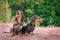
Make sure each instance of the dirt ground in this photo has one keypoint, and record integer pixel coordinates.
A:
(40, 33)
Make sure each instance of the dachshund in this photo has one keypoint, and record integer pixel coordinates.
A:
(29, 28)
(18, 25)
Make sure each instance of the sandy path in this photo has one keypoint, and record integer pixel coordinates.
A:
(41, 33)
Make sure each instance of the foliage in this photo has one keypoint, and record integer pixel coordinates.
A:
(5, 11)
(49, 10)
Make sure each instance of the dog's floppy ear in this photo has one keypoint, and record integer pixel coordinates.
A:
(22, 17)
(32, 19)
(21, 14)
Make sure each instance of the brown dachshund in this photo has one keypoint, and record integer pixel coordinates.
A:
(29, 28)
(18, 24)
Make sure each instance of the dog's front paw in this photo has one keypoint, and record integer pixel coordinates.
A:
(32, 33)
(26, 33)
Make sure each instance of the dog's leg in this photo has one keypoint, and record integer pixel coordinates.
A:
(26, 33)
(13, 32)
(19, 34)
(32, 33)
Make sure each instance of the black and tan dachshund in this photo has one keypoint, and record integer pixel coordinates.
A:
(18, 24)
(29, 28)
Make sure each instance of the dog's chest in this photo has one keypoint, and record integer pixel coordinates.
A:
(30, 27)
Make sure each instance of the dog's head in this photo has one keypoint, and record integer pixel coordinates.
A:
(19, 15)
(36, 18)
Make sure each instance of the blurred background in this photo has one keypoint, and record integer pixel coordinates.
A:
(49, 10)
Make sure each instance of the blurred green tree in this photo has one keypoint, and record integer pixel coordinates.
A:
(49, 10)
(5, 11)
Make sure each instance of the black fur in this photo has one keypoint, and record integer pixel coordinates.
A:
(30, 25)
(17, 24)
